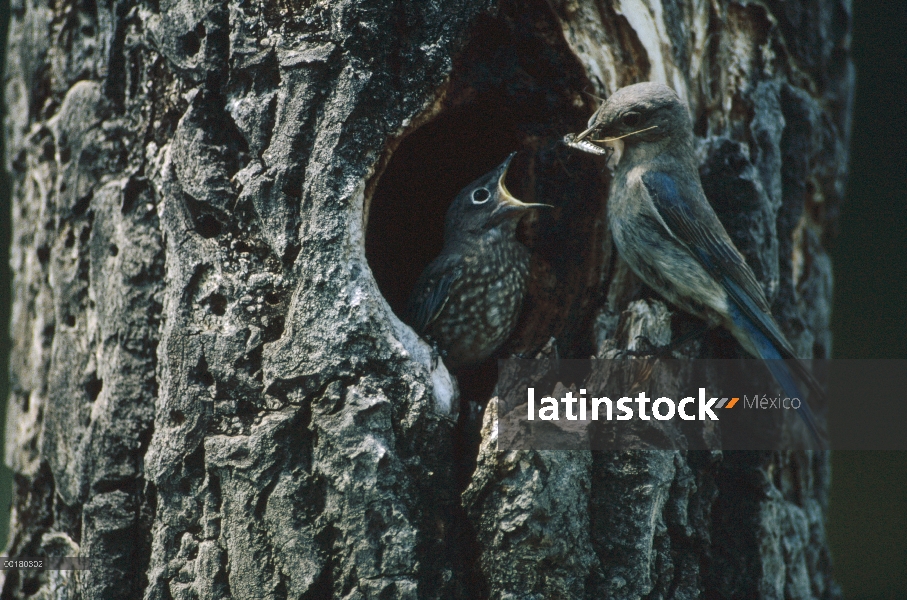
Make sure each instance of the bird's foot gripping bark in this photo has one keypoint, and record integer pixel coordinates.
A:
(666, 350)
(549, 351)
(437, 354)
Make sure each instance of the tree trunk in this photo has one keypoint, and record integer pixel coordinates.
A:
(219, 207)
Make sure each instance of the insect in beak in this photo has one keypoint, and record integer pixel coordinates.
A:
(586, 145)
(592, 146)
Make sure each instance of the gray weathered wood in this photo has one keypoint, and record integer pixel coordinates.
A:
(211, 397)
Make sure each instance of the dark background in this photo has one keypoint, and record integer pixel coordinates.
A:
(868, 517)
(867, 524)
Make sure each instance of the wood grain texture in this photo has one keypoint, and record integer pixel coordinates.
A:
(210, 395)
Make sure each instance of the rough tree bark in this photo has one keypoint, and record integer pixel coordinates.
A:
(211, 395)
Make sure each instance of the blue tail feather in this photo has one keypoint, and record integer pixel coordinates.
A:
(779, 369)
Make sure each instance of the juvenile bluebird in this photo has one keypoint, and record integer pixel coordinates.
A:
(468, 299)
(665, 229)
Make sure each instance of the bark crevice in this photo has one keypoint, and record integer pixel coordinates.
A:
(219, 209)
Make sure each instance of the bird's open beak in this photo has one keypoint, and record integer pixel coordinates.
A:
(507, 204)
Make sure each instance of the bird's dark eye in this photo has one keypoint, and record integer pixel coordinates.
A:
(631, 119)
(480, 196)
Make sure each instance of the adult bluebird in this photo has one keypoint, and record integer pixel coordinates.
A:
(667, 232)
(468, 299)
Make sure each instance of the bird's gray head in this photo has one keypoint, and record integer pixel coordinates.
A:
(485, 205)
(637, 115)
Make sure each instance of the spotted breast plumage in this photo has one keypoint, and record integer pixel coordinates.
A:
(468, 299)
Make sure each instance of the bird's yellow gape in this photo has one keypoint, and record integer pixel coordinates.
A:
(467, 300)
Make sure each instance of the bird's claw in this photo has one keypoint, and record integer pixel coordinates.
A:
(650, 349)
(437, 354)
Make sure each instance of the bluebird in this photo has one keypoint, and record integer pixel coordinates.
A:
(669, 235)
(468, 299)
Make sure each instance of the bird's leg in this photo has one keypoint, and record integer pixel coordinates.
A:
(662, 351)
(549, 350)
(437, 354)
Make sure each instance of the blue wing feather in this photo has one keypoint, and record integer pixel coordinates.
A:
(702, 235)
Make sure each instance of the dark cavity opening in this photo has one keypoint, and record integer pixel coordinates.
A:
(515, 87)
(93, 387)
(208, 226)
(218, 304)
